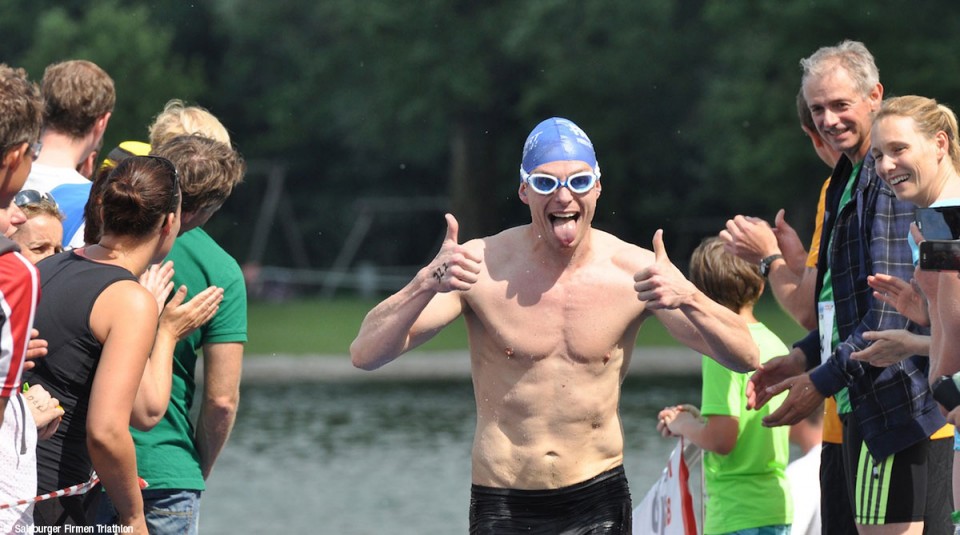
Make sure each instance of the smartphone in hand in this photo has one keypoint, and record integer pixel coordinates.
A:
(940, 255)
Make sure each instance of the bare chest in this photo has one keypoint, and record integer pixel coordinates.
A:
(587, 319)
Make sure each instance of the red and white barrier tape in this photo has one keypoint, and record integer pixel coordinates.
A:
(75, 490)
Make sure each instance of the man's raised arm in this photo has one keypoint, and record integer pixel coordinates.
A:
(419, 310)
(691, 317)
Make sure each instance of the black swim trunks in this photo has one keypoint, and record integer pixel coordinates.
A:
(600, 505)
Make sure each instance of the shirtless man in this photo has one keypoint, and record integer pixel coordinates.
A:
(552, 310)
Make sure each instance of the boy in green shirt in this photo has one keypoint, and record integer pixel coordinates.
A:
(746, 488)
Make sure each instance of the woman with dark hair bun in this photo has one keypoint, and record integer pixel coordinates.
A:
(109, 355)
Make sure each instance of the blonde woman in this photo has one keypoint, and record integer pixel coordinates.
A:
(916, 152)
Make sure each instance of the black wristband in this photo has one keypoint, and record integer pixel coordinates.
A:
(766, 262)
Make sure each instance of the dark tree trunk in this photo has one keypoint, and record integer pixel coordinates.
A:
(474, 178)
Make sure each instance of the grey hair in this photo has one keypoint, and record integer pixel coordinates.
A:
(853, 56)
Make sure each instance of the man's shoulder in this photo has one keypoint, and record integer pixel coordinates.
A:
(199, 259)
(199, 246)
(17, 274)
(7, 245)
(15, 265)
(622, 253)
(504, 242)
(504, 237)
(47, 177)
(15, 268)
(71, 189)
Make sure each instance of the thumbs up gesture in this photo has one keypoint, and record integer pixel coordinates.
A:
(455, 267)
(661, 284)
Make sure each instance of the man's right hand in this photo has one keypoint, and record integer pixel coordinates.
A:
(773, 372)
(455, 267)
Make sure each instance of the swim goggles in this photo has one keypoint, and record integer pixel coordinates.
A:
(545, 184)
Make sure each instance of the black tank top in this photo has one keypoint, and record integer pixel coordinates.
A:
(70, 285)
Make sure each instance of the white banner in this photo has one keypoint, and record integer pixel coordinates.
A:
(667, 509)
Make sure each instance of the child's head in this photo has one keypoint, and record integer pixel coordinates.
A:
(723, 277)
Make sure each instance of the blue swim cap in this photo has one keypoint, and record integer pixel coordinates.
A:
(557, 139)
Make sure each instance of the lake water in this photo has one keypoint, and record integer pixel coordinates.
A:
(380, 457)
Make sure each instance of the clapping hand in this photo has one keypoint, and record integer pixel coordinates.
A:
(750, 238)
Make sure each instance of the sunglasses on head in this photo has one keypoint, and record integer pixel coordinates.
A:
(32, 196)
(171, 170)
(545, 184)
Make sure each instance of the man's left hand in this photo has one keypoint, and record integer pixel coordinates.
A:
(661, 284)
(802, 400)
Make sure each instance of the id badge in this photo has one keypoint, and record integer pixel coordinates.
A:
(825, 315)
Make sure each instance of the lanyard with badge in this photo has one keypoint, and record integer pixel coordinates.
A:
(826, 307)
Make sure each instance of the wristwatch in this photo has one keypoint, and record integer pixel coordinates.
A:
(766, 262)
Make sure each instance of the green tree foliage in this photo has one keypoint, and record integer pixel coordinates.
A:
(690, 104)
(128, 42)
(436, 97)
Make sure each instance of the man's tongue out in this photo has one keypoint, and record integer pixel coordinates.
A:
(565, 227)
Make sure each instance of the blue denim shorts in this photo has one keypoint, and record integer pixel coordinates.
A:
(165, 510)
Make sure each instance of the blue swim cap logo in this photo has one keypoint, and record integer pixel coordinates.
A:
(557, 139)
(531, 143)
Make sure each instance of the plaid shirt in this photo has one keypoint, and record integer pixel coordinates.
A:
(893, 406)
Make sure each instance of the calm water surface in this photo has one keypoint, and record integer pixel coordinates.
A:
(380, 457)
